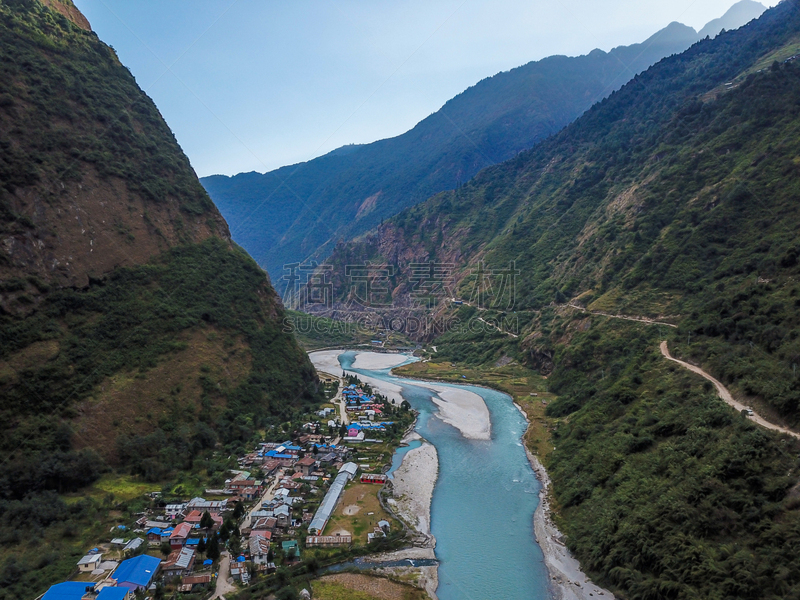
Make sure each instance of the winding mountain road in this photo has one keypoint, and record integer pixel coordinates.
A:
(726, 395)
(645, 320)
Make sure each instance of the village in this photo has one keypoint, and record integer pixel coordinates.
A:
(292, 505)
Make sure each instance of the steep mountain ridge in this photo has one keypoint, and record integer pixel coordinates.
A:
(92, 177)
(674, 199)
(133, 332)
(301, 211)
(608, 206)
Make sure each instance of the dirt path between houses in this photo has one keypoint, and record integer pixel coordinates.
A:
(726, 395)
(223, 585)
(266, 497)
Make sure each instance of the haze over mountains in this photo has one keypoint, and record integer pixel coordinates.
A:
(301, 211)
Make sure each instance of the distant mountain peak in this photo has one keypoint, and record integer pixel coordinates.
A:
(737, 15)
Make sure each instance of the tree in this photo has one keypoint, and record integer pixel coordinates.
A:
(270, 555)
(238, 510)
(212, 551)
(287, 593)
(343, 430)
(313, 564)
(165, 548)
(235, 545)
(202, 545)
(206, 522)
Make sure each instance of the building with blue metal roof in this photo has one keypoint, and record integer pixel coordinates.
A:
(68, 590)
(137, 572)
(113, 593)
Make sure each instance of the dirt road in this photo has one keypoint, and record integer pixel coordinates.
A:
(726, 395)
(645, 320)
(223, 585)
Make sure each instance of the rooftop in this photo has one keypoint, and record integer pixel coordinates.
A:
(139, 570)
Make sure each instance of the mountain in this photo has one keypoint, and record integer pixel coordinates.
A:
(301, 211)
(736, 16)
(668, 211)
(135, 337)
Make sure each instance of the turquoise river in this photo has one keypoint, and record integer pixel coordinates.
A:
(483, 502)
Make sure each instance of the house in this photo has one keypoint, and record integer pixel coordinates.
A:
(250, 493)
(243, 484)
(137, 572)
(328, 541)
(114, 593)
(259, 514)
(173, 510)
(68, 590)
(265, 524)
(165, 533)
(89, 563)
(270, 467)
(259, 550)
(178, 563)
(179, 536)
(133, 545)
(194, 517)
(264, 533)
(373, 478)
(291, 550)
(194, 582)
(327, 459)
(305, 465)
(283, 459)
(283, 516)
(212, 506)
(154, 536)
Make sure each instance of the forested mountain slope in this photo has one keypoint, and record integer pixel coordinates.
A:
(676, 199)
(299, 211)
(133, 334)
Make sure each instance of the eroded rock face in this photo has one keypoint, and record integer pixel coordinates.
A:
(69, 10)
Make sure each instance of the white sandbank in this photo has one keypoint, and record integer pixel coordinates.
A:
(464, 410)
(376, 361)
(412, 488)
(327, 361)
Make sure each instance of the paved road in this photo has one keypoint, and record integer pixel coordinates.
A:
(725, 394)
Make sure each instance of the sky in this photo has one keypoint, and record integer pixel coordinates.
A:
(252, 85)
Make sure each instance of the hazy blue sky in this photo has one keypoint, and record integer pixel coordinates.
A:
(256, 84)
